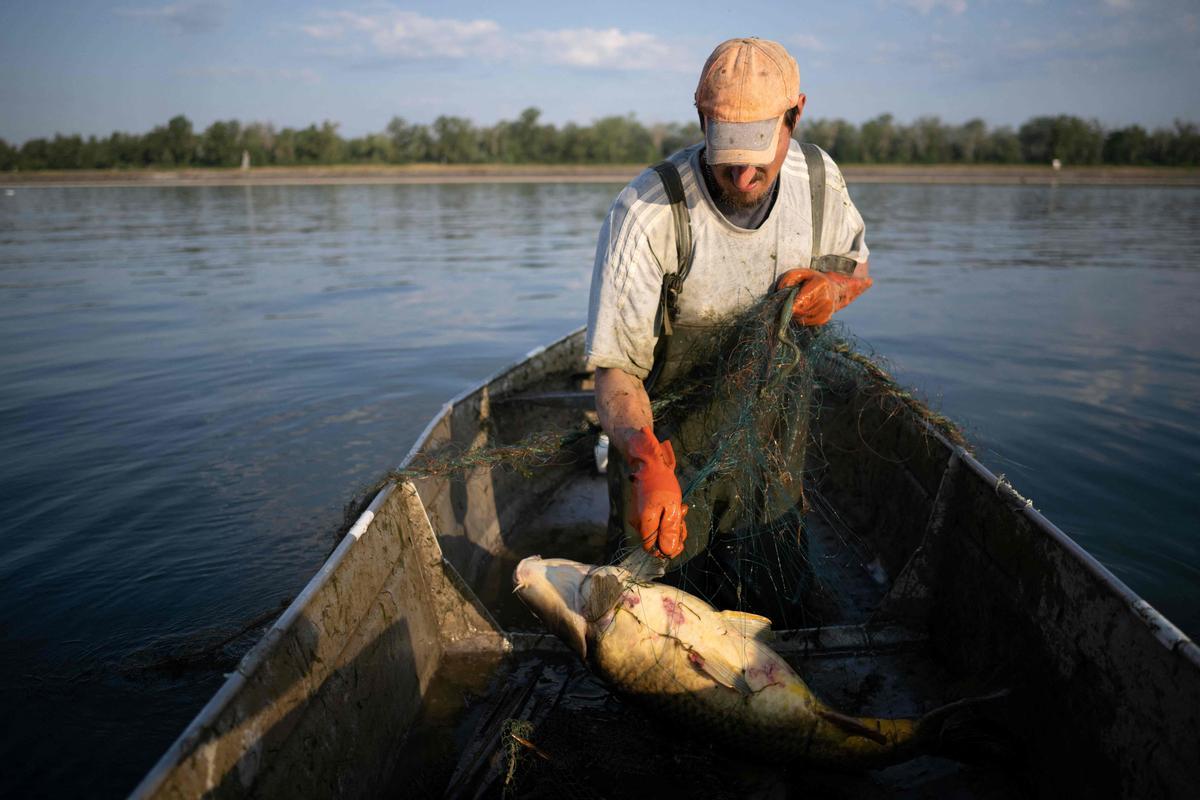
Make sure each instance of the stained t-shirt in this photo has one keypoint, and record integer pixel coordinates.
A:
(732, 266)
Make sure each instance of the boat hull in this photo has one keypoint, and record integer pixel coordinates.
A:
(967, 578)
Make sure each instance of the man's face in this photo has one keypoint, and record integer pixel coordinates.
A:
(745, 185)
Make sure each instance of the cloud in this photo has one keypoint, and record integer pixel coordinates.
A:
(927, 7)
(807, 41)
(257, 74)
(408, 35)
(1119, 5)
(610, 48)
(189, 16)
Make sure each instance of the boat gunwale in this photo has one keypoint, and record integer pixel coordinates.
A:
(1164, 631)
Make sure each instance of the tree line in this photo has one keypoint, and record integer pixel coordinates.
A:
(609, 140)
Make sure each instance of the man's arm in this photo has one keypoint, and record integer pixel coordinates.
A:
(624, 410)
(622, 405)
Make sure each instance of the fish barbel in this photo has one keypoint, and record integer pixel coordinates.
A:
(710, 669)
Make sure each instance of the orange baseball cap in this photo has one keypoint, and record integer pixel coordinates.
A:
(745, 88)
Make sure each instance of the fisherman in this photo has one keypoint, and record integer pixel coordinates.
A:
(686, 246)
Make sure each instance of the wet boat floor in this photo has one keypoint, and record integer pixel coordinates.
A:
(542, 725)
(539, 724)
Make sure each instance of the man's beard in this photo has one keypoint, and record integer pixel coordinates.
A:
(730, 192)
(743, 199)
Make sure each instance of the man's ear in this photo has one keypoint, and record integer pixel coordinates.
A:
(799, 108)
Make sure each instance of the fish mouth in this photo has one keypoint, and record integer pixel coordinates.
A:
(552, 589)
(523, 573)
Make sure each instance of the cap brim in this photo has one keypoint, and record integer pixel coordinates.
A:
(741, 142)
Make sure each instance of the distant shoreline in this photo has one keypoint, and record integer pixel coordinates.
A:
(556, 173)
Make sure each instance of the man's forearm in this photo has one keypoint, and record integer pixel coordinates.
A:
(622, 405)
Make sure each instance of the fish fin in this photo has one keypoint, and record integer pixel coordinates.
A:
(643, 566)
(604, 592)
(752, 626)
(852, 726)
(722, 672)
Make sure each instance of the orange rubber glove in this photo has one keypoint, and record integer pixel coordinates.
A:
(657, 497)
(821, 293)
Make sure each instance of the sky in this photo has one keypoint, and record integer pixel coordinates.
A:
(94, 67)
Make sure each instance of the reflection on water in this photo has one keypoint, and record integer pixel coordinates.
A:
(195, 380)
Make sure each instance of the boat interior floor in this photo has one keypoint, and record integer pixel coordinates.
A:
(544, 726)
(537, 723)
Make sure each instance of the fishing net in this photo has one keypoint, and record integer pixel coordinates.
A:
(739, 422)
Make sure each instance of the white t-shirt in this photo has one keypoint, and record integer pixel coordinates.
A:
(731, 268)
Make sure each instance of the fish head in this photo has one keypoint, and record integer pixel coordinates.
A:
(553, 588)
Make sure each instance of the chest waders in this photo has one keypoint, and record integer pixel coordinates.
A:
(742, 552)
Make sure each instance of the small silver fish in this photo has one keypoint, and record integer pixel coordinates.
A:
(710, 669)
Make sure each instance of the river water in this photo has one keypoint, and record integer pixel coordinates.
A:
(193, 381)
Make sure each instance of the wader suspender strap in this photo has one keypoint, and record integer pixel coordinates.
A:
(668, 301)
(816, 190)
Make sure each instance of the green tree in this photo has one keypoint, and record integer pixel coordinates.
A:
(1003, 146)
(94, 154)
(621, 140)
(157, 148)
(180, 140)
(258, 139)
(821, 132)
(1129, 145)
(878, 139)
(968, 142)
(125, 150)
(455, 141)
(930, 143)
(848, 143)
(283, 151)
(35, 154)
(319, 145)
(524, 140)
(374, 148)
(1071, 139)
(1037, 140)
(410, 143)
(1184, 149)
(575, 143)
(65, 152)
(677, 136)
(219, 144)
(8, 156)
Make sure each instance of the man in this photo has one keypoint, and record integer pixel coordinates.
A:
(749, 217)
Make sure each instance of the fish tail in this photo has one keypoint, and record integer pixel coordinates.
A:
(865, 741)
(876, 741)
(959, 731)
